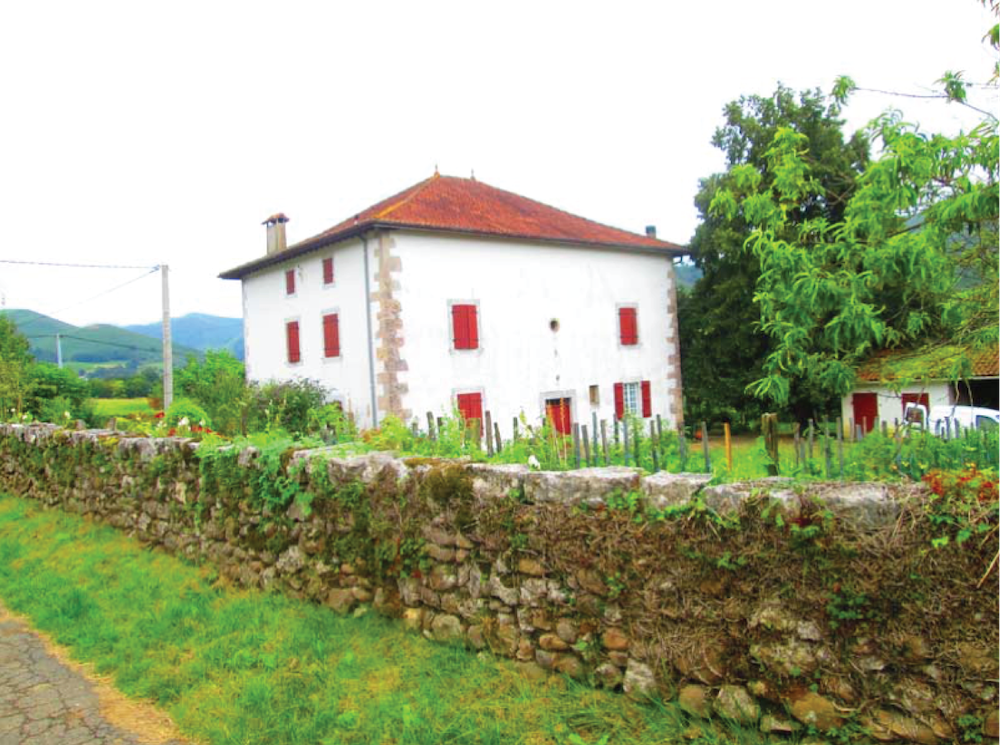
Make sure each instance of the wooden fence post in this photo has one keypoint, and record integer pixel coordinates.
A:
(593, 431)
(811, 437)
(840, 446)
(430, 427)
(604, 441)
(729, 446)
(795, 442)
(624, 438)
(489, 434)
(576, 443)
(682, 450)
(586, 443)
(652, 445)
(769, 429)
(515, 429)
(496, 435)
(704, 447)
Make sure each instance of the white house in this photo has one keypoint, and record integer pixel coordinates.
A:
(455, 293)
(891, 379)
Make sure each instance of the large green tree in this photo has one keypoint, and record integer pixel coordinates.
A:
(913, 259)
(15, 369)
(723, 347)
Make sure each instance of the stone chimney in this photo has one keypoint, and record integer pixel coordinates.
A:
(276, 241)
(651, 231)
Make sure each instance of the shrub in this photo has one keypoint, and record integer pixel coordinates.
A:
(184, 408)
(284, 405)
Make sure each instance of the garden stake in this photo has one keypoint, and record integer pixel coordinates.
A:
(682, 449)
(593, 429)
(828, 451)
(415, 428)
(430, 427)
(638, 439)
(704, 447)
(604, 441)
(851, 430)
(885, 428)
(659, 431)
(576, 444)
(795, 438)
(496, 435)
(586, 444)
(840, 446)
(489, 434)
(616, 432)
(624, 439)
(811, 429)
(440, 422)
(515, 429)
(769, 429)
(652, 446)
(729, 445)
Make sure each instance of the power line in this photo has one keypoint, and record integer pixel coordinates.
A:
(21, 327)
(77, 266)
(94, 341)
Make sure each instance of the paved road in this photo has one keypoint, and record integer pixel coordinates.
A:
(45, 700)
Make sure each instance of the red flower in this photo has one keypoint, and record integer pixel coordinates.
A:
(158, 415)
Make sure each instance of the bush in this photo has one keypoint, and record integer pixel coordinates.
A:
(184, 408)
(284, 405)
(217, 384)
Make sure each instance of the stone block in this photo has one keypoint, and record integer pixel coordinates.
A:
(662, 490)
(587, 485)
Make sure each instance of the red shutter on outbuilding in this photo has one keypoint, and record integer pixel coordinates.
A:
(647, 400)
(465, 329)
(292, 339)
(619, 400)
(331, 335)
(328, 270)
(627, 326)
(290, 282)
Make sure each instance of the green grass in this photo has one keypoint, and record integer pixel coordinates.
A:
(108, 407)
(243, 667)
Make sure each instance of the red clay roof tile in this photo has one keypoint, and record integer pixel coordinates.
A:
(450, 204)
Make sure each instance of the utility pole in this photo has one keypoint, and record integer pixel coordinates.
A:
(59, 350)
(168, 352)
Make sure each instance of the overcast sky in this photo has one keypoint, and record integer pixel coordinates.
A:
(141, 133)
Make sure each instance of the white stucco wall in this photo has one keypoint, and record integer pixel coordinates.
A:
(266, 308)
(520, 288)
(890, 402)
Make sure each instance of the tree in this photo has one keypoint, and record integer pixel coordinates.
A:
(722, 345)
(15, 368)
(913, 259)
(218, 385)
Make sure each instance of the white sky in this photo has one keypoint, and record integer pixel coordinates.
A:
(142, 133)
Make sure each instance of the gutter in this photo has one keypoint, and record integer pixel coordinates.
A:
(368, 337)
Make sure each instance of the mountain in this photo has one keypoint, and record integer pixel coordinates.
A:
(200, 331)
(96, 345)
(687, 274)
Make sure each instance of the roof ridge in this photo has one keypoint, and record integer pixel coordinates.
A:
(419, 188)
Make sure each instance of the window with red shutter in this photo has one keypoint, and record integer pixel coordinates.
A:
(290, 282)
(470, 405)
(628, 328)
(619, 400)
(647, 400)
(292, 341)
(328, 270)
(331, 335)
(464, 326)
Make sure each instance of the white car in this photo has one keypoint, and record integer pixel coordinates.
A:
(943, 419)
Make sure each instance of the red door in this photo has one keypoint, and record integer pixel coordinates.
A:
(923, 399)
(558, 412)
(865, 410)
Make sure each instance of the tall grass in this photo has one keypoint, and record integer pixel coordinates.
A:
(243, 667)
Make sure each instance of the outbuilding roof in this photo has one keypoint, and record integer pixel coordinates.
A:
(932, 362)
(468, 206)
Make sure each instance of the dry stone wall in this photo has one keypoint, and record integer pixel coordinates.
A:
(772, 604)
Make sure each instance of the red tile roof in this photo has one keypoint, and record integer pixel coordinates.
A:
(934, 362)
(459, 205)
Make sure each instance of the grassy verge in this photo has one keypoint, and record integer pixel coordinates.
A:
(244, 667)
(108, 407)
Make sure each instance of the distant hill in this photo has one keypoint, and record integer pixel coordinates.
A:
(98, 345)
(200, 331)
(687, 274)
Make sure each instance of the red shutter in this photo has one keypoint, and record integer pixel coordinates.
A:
(619, 400)
(331, 335)
(627, 326)
(328, 270)
(465, 329)
(292, 339)
(470, 405)
(290, 282)
(647, 400)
